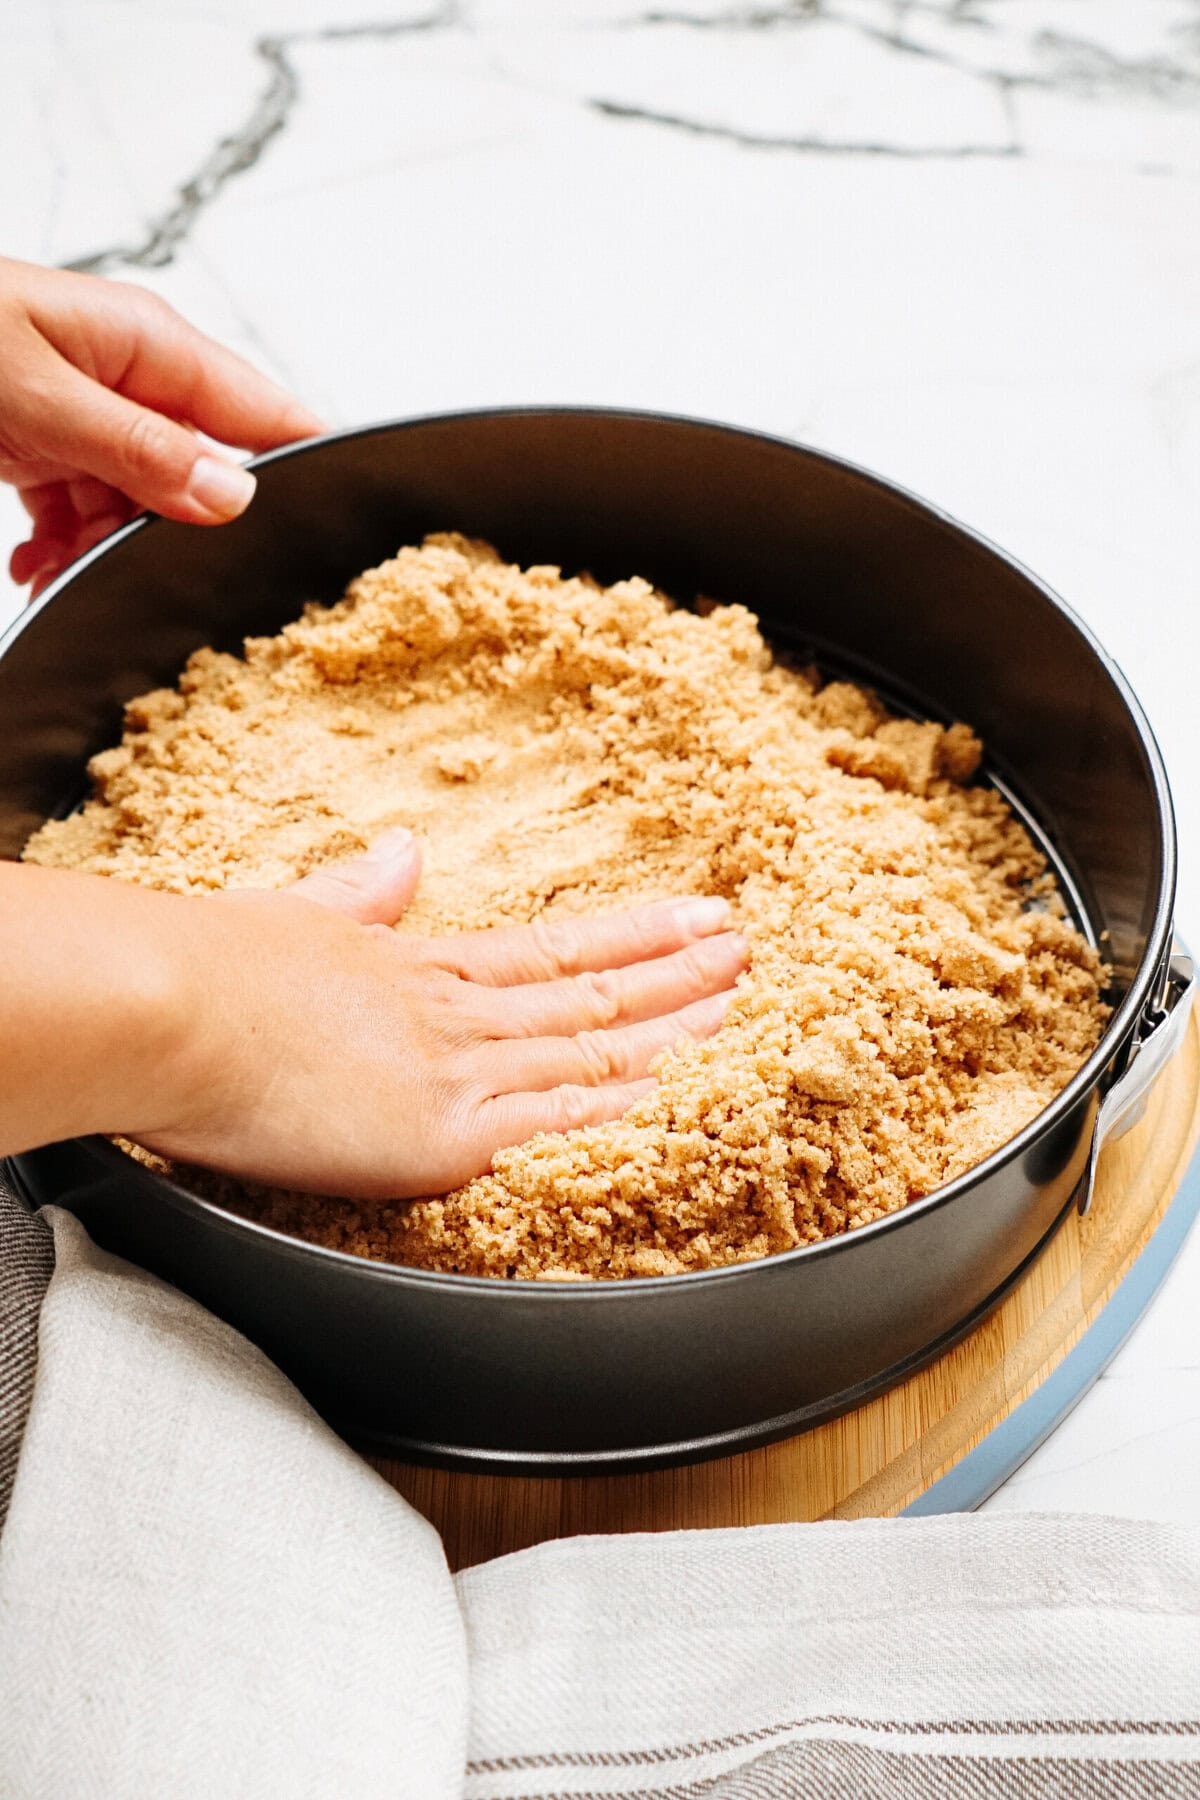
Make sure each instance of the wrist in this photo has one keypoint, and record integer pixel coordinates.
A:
(101, 983)
(174, 1005)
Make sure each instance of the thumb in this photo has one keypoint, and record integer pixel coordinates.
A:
(374, 888)
(156, 462)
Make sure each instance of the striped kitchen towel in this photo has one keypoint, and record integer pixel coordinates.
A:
(955, 1658)
(205, 1595)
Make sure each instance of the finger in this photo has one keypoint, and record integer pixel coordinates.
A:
(175, 368)
(55, 524)
(599, 999)
(550, 949)
(48, 557)
(93, 531)
(374, 888)
(39, 560)
(46, 574)
(599, 1058)
(94, 499)
(54, 506)
(49, 505)
(153, 460)
(25, 472)
(133, 341)
(28, 560)
(515, 1118)
(61, 541)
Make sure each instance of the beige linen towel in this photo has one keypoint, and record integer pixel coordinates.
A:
(202, 1591)
(947, 1659)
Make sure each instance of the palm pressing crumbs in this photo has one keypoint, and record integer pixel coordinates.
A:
(563, 748)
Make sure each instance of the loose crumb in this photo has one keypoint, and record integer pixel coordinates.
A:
(916, 993)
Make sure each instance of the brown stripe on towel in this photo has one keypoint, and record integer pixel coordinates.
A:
(629, 1759)
(829, 1769)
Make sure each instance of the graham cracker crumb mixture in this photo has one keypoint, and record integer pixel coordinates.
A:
(564, 747)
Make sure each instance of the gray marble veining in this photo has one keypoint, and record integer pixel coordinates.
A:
(997, 53)
(241, 150)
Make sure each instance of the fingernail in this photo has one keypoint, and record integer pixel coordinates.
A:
(728, 953)
(391, 846)
(702, 916)
(716, 1006)
(222, 488)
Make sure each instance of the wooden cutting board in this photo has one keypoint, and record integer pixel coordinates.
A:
(881, 1458)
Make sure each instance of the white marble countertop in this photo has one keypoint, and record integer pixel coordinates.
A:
(956, 240)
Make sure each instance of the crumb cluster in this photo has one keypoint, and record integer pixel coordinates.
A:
(916, 993)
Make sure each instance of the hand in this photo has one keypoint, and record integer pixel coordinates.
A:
(103, 388)
(321, 1050)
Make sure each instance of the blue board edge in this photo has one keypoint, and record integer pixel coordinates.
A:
(1010, 1443)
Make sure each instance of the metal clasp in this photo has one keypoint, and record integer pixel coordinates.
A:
(1159, 1036)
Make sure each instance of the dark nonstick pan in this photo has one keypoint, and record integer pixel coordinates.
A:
(839, 565)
